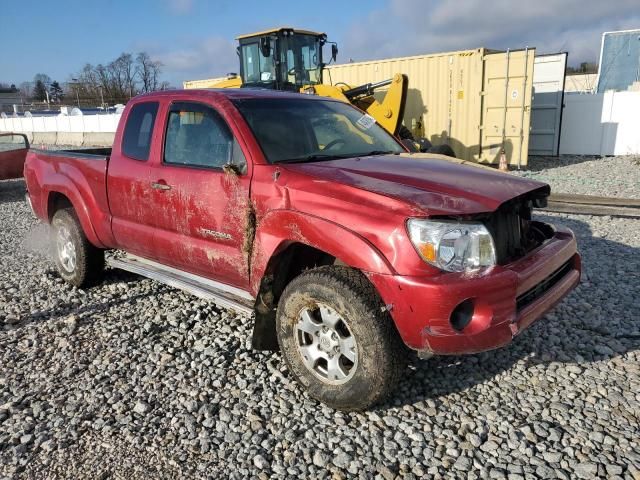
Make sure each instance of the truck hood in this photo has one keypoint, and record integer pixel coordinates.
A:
(429, 183)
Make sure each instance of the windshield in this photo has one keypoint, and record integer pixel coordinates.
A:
(307, 130)
(300, 60)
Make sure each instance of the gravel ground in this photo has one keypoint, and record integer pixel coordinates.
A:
(587, 175)
(133, 379)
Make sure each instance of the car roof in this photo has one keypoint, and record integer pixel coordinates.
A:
(232, 93)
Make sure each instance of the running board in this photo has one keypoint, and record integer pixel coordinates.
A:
(223, 295)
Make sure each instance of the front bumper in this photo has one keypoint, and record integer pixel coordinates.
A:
(506, 299)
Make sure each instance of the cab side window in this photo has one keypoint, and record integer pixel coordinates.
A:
(197, 136)
(136, 140)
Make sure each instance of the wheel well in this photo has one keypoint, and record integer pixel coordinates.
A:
(55, 202)
(281, 269)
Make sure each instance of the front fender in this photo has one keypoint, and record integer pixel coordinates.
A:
(279, 228)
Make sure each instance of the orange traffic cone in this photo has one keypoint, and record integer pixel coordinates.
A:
(503, 166)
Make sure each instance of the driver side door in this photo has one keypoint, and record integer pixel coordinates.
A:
(202, 204)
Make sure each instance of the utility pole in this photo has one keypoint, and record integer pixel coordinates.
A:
(101, 98)
(75, 83)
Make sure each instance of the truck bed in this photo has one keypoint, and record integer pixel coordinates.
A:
(80, 176)
(98, 153)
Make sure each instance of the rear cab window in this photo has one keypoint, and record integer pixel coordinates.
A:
(136, 140)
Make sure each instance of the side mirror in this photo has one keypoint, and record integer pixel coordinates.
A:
(334, 51)
(236, 163)
(265, 46)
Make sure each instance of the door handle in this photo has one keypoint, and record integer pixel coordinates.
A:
(160, 185)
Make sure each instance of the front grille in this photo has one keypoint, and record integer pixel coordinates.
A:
(514, 233)
(505, 226)
(544, 286)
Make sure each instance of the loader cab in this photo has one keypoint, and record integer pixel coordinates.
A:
(282, 59)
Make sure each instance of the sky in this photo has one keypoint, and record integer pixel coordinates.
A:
(194, 39)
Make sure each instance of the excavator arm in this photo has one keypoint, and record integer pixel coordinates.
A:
(388, 112)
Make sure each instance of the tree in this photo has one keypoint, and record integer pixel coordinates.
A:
(148, 71)
(40, 91)
(585, 67)
(40, 81)
(118, 80)
(43, 77)
(26, 89)
(55, 92)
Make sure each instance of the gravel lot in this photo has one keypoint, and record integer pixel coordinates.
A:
(602, 176)
(133, 379)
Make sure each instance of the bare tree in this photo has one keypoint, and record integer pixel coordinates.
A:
(148, 71)
(25, 90)
(117, 81)
(122, 72)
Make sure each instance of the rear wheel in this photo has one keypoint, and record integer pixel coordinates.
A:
(77, 261)
(336, 339)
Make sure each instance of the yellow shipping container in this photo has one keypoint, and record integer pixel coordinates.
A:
(460, 98)
(206, 83)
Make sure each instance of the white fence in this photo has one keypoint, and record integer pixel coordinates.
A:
(592, 124)
(65, 130)
(601, 124)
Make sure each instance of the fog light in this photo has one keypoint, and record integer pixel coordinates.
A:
(462, 315)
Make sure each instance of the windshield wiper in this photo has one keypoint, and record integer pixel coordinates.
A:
(317, 157)
(377, 152)
(313, 158)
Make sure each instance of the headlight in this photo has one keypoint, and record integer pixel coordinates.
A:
(452, 246)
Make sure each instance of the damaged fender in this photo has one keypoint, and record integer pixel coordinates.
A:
(279, 228)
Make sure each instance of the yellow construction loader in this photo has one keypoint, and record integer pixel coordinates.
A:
(291, 59)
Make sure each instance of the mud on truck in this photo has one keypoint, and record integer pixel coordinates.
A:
(348, 251)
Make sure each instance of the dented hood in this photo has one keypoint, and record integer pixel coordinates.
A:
(430, 183)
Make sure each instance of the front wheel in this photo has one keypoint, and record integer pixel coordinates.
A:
(77, 261)
(337, 340)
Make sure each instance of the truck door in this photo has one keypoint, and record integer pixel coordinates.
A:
(13, 152)
(128, 184)
(201, 204)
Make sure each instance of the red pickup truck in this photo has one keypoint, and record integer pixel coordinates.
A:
(349, 250)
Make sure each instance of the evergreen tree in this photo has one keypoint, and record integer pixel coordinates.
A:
(40, 91)
(55, 92)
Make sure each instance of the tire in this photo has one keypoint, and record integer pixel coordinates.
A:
(443, 149)
(78, 262)
(372, 356)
